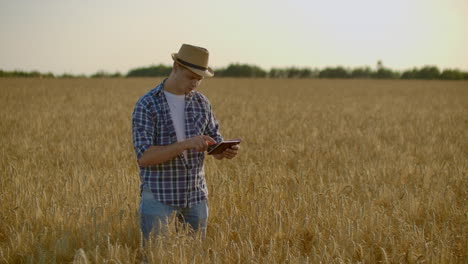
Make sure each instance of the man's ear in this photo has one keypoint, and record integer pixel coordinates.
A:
(174, 68)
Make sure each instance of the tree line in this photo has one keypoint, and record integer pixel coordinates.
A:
(253, 71)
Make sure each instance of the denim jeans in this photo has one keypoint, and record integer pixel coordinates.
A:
(154, 215)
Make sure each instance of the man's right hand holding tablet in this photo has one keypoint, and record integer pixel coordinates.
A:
(228, 153)
(226, 149)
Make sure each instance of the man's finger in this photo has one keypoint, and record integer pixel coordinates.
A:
(209, 143)
(231, 150)
(210, 140)
(235, 147)
(201, 147)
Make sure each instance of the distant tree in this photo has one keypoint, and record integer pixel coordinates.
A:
(299, 73)
(384, 73)
(338, 72)
(362, 73)
(428, 72)
(241, 70)
(34, 74)
(24, 74)
(277, 73)
(409, 74)
(116, 75)
(151, 71)
(48, 75)
(17, 73)
(306, 73)
(67, 75)
(104, 74)
(100, 74)
(293, 72)
(451, 75)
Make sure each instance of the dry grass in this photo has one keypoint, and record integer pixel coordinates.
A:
(330, 171)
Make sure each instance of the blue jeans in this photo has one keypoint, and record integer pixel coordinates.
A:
(154, 215)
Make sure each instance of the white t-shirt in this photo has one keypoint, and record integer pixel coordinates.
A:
(177, 110)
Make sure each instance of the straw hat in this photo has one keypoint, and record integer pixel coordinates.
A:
(195, 59)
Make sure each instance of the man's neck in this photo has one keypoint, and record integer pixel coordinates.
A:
(171, 86)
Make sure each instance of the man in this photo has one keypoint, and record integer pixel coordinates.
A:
(172, 127)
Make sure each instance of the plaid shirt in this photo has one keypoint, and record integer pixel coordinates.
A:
(179, 181)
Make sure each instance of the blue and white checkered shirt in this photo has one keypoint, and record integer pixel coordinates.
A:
(179, 181)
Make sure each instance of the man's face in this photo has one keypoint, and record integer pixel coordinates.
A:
(188, 80)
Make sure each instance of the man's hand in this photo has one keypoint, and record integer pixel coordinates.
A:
(228, 153)
(199, 143)
(158, 154)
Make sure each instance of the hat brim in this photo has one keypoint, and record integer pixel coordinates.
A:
(208, 73)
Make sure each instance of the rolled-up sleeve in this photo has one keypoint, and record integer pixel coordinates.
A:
(143, 122)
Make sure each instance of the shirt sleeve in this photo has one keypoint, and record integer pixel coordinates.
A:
(143, 123)
(212, 129)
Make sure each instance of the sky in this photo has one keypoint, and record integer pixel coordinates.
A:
(86, 36)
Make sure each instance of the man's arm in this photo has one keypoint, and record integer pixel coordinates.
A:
(158, 154)
(213, 131)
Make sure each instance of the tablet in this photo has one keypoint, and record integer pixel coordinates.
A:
(221, 146)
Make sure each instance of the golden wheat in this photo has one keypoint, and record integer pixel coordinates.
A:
(355, 171)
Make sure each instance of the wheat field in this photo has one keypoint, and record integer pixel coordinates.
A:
(330, 171)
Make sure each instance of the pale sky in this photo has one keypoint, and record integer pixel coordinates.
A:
(85, 36)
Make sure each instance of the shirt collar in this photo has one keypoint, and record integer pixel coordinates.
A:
(160, 88)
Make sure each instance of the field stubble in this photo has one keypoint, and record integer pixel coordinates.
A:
(331, 171)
